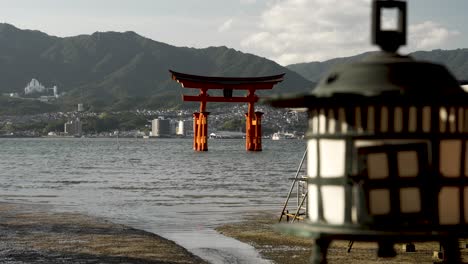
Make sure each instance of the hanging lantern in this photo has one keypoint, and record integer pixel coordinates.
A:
(387, 150)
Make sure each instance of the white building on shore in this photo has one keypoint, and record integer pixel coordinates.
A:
(184, 127)
(161, 127)
(34, 86)
(73, 128)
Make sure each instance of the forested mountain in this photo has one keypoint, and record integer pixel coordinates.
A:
(123, 71)
(455, 60)
(111, 70)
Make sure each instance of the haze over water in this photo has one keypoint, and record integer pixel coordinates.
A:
(160, 185)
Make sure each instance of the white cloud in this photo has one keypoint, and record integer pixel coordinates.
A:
(248, 2)
(299, 30)
(429, 35)
(292, 31)
(226, 25)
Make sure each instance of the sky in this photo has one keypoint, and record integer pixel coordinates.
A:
(285, 31)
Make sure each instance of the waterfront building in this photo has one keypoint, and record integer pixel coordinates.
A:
(55, 89)
(73, 128)
(34, 86)
(184, 127)
(161, 127)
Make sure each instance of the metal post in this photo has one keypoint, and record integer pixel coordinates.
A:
(292, 185)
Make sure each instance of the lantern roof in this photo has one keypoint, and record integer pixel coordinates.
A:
(382, 78)
(385, 73)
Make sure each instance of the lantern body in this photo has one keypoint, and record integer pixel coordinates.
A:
(388, 166)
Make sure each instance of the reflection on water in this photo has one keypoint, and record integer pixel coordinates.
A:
(158, 185)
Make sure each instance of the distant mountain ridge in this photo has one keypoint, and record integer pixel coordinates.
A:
(112, 70)
(122, 71)
(455, 60)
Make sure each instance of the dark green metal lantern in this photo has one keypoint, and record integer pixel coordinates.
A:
(387, 150)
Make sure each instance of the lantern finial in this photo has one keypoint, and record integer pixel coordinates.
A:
(388, 40)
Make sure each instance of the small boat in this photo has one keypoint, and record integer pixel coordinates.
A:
(276, 136)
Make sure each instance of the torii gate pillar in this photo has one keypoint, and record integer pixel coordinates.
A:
(253, 131)
(200, 131)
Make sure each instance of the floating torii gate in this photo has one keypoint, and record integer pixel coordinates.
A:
(253, 133)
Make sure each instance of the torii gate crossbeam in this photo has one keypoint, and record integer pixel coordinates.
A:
(253, 137)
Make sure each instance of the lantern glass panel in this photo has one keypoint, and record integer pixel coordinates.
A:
(426, 119)
(312, 158)
(398, 119)
(331, 122)
(450, 158)
(410, 200)
(466, 158)
(342, 120)
(379, 201)
(465, 199)
(332, 158)
(465, 126)
(384, 119)
(413, 119)
(358, 119)
(443, 116)
(322, 122)
(452, 120)
(370, 119)
(377, 166)
(312, 203)
(314, 121)
(408, 165)
(460, 119)
(333, 204)
(449, 206)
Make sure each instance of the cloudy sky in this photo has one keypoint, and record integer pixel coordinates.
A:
(286, 31)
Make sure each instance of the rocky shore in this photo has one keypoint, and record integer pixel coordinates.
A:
(31, 234)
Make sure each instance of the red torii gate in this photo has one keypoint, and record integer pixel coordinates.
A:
(253, 133)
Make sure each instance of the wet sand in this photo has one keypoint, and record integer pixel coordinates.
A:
(259, 232)
(32, 234)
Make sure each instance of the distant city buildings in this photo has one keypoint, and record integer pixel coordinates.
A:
(180, 122)
(80, 108)
(73, 128)
(161, 127)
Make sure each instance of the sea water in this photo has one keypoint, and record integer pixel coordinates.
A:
(159, 185)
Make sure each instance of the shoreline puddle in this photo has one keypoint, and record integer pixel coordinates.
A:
(216, 248)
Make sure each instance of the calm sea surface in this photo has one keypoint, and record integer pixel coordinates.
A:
(158, 185)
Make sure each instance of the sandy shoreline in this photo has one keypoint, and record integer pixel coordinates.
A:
(32, 235)
(258, 231)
